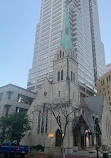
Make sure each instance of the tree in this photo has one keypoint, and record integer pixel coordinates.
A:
(14, 126)
(62, 112)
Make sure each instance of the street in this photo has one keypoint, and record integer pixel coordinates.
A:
(2, 156)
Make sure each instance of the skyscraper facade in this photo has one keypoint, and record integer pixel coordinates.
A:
(84, 23)
(108, 67)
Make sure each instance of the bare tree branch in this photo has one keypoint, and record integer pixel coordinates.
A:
(62, 112)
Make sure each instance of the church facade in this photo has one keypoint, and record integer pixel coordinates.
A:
(58, 114)
(63, 88)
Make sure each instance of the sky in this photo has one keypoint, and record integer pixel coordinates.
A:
(18, 19)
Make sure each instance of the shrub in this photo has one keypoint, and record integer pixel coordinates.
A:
(50, 155)
(32, 153)
(38, 147)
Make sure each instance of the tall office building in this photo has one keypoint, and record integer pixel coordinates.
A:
(108, 67)
(86, 39)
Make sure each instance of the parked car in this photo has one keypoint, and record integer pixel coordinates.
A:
(11, 149)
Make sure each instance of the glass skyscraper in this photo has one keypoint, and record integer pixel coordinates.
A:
(84, 23)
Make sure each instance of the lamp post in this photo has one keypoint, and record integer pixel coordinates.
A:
(96, 125)
(95, 119)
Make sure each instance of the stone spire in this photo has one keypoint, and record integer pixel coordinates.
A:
(66, 39)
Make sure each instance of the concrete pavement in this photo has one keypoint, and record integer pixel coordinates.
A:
(87, 154)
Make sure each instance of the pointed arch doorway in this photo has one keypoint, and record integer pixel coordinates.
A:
(58, 141)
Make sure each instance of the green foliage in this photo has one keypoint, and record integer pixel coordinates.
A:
(14, 126)
(50, 155)
(32, 153)
(38, 147)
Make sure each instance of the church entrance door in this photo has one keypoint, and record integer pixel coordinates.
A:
(58, 138)
(83, 143)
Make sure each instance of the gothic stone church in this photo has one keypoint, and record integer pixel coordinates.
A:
(80, 131)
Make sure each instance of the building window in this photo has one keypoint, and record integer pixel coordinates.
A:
(100, 91)
(101, 83)
(9, 93)
(63, 53)
(108, 92)
(39, 120)
(59, 94)
(7, 109)
(1, 94)
(43, 119)
(45, 94)
(109, 98)
(62, 75)
(46, 127)
(60, 53)
(39, 86)
(18, 109)
(24, 99)
(58, 75)
(71, 76)
(107, 79)
(74, 77)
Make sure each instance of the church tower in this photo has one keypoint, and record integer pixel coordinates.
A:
(66, 67)
(65, 77)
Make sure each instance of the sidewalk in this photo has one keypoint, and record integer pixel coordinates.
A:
(86, 154)
(80, 154)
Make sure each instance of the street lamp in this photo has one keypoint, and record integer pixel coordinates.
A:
(51, 135)
(96, 125)
(95, 119)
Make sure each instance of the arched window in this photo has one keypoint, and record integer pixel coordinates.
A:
(59, 94)
(60, 53)
(58, 75)
(74, 77)
(72, 54)
(46, 125)
(39, 121)
(63, 53)
(62, 75)
(71, 76)
(43, 120)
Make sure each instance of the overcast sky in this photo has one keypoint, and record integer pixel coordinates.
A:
(18, 19)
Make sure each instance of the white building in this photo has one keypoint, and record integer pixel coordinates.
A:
(14, 99)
